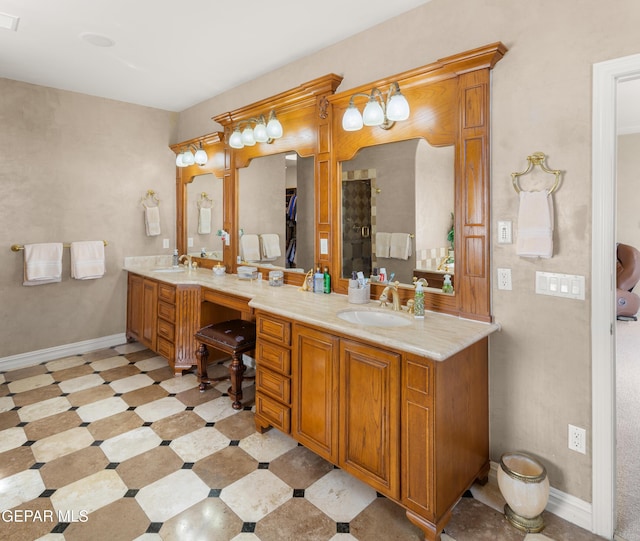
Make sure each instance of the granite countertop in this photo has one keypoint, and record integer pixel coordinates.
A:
(437, 336)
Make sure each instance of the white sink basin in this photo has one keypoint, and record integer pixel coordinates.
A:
(170, 269)
(374, 318)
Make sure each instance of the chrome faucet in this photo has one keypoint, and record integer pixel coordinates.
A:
(395, 296)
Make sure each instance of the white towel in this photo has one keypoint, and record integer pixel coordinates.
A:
(383, 244)
(400, 246)
(42, 263)
(87, 260)
(204, 221)
(152, 221)
(535, 225)
(270, 246)
(250, 247)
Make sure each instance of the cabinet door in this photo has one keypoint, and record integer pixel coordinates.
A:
(149, 313)
(314, 380)
(134, 307)
(370, 415)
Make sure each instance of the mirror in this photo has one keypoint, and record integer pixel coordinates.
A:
(406, 189)
(276, 212)
(204, 216)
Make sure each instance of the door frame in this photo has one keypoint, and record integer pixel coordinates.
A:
(606, 76)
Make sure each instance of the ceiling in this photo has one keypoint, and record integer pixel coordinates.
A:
(172, 55)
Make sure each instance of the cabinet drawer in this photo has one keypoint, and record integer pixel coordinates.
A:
(167, 293)
(165, 348)
(279, 416)
(275, 385)
(166, 330)
(277, 330)
(167, 311)
(274, 357)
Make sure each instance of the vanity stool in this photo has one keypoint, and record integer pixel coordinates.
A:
(234, 337)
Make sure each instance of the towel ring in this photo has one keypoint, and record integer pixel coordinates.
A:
(150, 200)
(205, 202)
(537, 158)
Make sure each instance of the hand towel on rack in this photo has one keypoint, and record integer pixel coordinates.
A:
(152, 220)
(270, 245)
(87, 260)
(535, 225)
(204, 220)
(383, 244)
(42, 263)
(400, 246)
(250, 247)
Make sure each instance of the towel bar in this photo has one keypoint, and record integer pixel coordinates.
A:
(18, 247)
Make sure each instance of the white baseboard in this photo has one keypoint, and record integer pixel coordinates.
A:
(564, 505)
(43, 355)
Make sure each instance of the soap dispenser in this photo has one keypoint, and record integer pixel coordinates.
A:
(447, 287)
(176, 262)
(418, 303)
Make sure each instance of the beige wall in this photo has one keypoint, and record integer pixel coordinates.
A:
(627, 190)
(541, 101)
(74, 167)
(78, 185)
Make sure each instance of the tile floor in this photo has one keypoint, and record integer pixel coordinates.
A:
(110, 445)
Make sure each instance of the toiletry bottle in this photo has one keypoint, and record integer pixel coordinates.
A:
(327, 280)
(447, 287)
(175, 258)
(418, 303)
(203, 252)
(318, 281)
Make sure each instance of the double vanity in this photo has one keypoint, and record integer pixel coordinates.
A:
(398, 402)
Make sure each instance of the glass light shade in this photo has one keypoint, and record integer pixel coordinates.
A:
(274, 128)
(188, 158)
(247, 137)
(260, 133)
(201, 157)
(352, 119)
(373, 115)
(235, 140)
(179, 160)
(398, 108)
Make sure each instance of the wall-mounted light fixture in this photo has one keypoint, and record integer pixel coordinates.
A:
(256, 130)
(192, 154)
(380, 110)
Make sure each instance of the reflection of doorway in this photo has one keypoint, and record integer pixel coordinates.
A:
(358, 221)
(606, 75)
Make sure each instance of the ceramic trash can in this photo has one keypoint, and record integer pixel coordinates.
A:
(524, 485)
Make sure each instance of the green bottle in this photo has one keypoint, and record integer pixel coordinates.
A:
(418, 302)
(327, 280)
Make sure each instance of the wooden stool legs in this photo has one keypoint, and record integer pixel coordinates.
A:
(236, 371)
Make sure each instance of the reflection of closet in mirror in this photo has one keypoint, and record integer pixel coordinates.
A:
(268, 189)
(205, 192)
(411, 192)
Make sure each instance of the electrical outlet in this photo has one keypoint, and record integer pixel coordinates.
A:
(165, 243)
(504, 279)
(578, 439)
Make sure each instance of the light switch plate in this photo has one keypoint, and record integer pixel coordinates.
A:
(569, 286)
(505, 232)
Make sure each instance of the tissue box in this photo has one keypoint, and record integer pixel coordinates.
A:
(359, 295)
(247, 273)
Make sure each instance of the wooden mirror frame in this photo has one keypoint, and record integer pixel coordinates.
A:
(449, 101)
(303, 113)
(213, 144)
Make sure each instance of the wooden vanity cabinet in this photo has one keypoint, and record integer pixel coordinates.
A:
(315, 391)
(142, 295)
(273, 373)
(164, 317)
(369, 421)
(414, 429)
